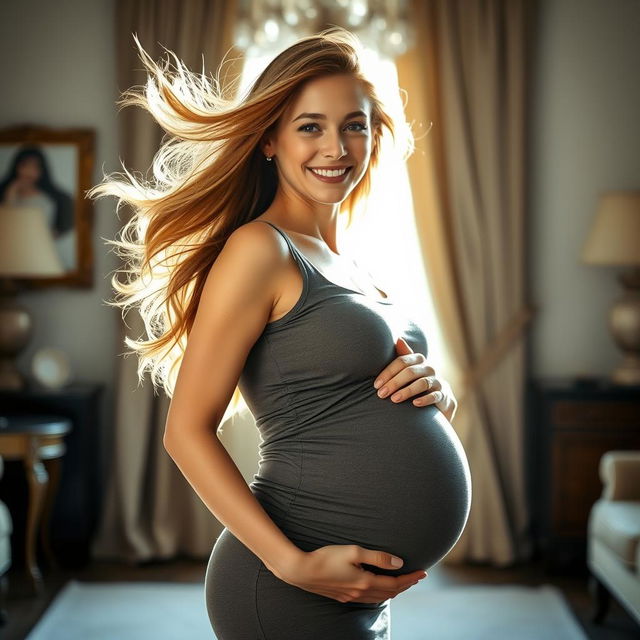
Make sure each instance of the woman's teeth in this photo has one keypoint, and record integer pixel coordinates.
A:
(329, 173)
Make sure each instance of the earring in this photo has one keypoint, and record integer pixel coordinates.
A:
(269, 157)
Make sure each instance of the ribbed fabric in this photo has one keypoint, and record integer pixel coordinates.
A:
(338, 464)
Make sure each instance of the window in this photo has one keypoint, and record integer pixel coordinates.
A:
(383, 236)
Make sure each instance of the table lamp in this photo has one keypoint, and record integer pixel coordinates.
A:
(27, 250)
(614, 239)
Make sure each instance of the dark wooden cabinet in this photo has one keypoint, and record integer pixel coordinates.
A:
(570, 425)
(78, 504)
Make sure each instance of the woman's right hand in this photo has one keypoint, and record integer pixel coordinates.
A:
(334, 571)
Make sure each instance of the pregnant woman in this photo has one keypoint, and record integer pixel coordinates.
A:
(350, 478)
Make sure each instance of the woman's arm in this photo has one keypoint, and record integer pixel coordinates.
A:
(234, 307)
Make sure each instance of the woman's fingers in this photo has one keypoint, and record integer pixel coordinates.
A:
(399, 364)
(418, 385)
(381, 596)
(411, 373)
(384, 587)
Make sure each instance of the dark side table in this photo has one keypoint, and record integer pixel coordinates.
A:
(76, 511)
(33, 439)
(571, 425)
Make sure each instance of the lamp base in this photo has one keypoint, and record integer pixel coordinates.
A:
(628, 373)
(16, 328)
(624, 324)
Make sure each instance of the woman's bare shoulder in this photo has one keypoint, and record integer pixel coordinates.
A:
(257, 238)
(251, 259)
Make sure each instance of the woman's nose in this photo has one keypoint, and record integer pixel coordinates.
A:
(335, 146)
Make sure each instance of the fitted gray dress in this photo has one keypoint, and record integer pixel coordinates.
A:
(338, 465)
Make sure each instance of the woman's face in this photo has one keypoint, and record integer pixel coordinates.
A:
(337, 135)
(28, 169)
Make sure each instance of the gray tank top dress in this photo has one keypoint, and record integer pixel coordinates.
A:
(338, 465)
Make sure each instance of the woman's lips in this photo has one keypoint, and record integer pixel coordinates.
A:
(339, 178)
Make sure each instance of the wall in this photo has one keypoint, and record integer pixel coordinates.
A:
(57, 65)
(585, 138)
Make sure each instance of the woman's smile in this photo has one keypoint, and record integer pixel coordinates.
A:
(328, 175)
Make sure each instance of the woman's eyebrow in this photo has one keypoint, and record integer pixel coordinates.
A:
(321, 116)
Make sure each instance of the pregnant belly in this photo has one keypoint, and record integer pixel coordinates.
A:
(390, 477)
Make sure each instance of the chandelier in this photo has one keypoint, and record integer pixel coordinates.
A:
(266, 27)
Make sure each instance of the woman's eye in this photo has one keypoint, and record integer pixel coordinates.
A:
(304, 129)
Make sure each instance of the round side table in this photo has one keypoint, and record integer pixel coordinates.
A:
(32, 439)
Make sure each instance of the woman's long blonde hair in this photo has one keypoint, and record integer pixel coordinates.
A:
(209, 178)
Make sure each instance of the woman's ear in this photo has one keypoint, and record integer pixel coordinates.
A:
(265, 147)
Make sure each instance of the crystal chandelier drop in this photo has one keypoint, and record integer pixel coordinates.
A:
(268, 26)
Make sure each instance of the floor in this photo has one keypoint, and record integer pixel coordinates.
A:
(24, 609)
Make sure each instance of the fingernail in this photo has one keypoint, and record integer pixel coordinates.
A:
(383, 392)
(396, 562)
(377, 383)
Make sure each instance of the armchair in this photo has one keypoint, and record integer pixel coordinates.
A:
(6, 527)
(613, 535)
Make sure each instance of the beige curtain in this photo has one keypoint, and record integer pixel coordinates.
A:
(468, 75)
(150, 510)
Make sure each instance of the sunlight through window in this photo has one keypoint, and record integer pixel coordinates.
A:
(383, 237)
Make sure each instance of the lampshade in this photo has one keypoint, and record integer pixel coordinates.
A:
(614, 237)
(27, 245)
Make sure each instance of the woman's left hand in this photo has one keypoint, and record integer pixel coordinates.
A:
(409, 375)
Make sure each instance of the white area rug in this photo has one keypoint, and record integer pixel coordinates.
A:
(175, 611)
(483, 612)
